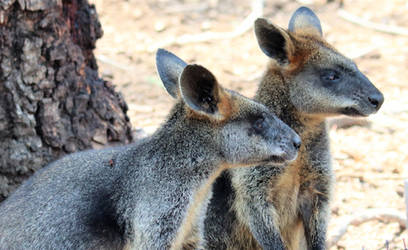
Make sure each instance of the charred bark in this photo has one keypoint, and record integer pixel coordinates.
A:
(52, 101)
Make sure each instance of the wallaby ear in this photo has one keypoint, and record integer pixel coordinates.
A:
(199, 89)
(169, 67)
(305, 20)
(273, 41)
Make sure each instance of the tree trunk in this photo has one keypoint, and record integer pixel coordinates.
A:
(52, 101)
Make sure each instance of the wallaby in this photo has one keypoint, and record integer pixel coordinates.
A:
(151, 194)
(306, 81)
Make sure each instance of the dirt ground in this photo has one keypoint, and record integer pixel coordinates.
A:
(368, 160)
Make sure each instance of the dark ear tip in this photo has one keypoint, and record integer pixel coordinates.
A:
(162, 53)
(311, 18)
(260, 20)
(304, 10)
(260, 23)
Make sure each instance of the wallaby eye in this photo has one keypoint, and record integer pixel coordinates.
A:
(330, 76)
(259, 124)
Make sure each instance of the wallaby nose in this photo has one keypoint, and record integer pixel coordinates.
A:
(376, 100)
(297, 142)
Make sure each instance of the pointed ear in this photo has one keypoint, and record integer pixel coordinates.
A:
(306, 21)
(273, 41)
(200, 90)
(169, 67)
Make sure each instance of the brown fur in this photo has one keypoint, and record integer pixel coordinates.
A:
(187, 236)
(226, 108)
(246, 241)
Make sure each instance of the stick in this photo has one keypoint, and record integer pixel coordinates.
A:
(367, 215)
(372, 177)
(247, 23)
(390, 29)
(362, 52)
(105, 59)
(186, 8)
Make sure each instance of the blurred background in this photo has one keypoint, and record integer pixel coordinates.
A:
(369, 155)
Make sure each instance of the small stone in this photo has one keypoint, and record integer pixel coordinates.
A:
(100, 137)
(400, 191)
(159, 26)
(137, 13)
(335, 210)
(395, 171)
(206, 25)
(70, 147)
(34, 143)
(107, 74)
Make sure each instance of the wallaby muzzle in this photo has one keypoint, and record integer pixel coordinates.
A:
(289, 146)
(367, 97)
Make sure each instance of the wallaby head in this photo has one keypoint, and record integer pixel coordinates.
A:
(318, 79)
(245, 132)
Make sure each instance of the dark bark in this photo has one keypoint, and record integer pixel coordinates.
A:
(52, 101)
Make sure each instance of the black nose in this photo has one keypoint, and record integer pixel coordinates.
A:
(297, 143)
(376, 100)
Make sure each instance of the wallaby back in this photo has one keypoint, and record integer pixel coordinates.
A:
(307, 80)
(151, 194)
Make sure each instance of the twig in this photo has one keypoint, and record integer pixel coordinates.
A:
(362, 52)
(106, 60)
(390, 29)
(186, 8)
(365, 177)
(367, 215)
(247, 23)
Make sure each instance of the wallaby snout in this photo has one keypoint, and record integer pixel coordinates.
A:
(297, 142)
(374, 97)
(292, 145)
(367, 99)
(286, 140)
(376, 100)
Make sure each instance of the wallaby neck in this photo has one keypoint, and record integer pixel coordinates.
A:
(183, 160)
(184, 145)
(274, 93)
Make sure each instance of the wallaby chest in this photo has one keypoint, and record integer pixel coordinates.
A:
(293, 191)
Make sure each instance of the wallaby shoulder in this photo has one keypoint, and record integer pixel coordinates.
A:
(50, 189)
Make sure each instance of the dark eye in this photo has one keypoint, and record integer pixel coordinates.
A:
(259, 124)
(330, 76)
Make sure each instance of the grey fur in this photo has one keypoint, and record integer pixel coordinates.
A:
(274, 207)
(151, 194)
